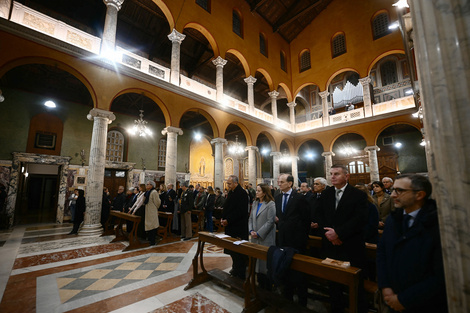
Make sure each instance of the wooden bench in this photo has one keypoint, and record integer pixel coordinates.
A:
(163, 231)
(134, 242)
(252, 296)
(196, 226)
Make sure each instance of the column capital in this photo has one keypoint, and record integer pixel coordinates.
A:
(294, 157)
(275, 153)
(291, 104)
(171, 129)
(250, 80)
(101, 113)
(324, 94)
(115, 3)
(370, 148)
(325, 154)
(255, 148)
(273, 94)
(175, 36)
(365, 81)
(219, 140)
(219, 62)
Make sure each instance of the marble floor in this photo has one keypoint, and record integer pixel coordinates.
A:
(43, 269)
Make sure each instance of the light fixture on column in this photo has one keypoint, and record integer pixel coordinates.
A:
(236, 147)
(140, 126)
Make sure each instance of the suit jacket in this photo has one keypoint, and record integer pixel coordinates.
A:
(210, 202)
(170, 200)
(202, 201)
(314, 203)
(294, 223)
(348, 220)
(236, 213)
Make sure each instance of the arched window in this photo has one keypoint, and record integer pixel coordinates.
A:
(380, 26)
(305, 61)
(237, 23)
(205, 4)
(360, 167)
(338, 45)
(388, 72)
(262, 45)
(352, 167)
(162, 153)
(282, 55)
(115, 146)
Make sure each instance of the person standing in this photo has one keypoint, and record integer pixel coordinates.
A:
(187, 204)
(105, 207)
(410, 269)
(73, 200)
(235, 221)
(152, 203)
(388, 183)
(382, 201)
(120, 200)
(80, 208)
(170, 199)
(261, 226)
(209, 208)
(138, 208)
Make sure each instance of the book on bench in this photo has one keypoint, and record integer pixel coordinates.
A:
(336, 263)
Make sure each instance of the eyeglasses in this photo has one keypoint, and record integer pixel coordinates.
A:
(399, 191)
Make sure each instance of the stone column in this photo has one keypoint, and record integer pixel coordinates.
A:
(95, 179)
(274, 94)
(176, 40)
(5, 6)
(250, 81)
(328, 164)
(291, 106)
(171, 153)
(442, 48)
(219, 161)
(373, 162)
(252, 164)
(365, 82)
(295, 171)
(276, 156)
(219, 77)
(110, 25)
(324, 103)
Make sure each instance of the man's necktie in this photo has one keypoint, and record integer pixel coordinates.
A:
(406, 222)
(338, 197)
(286, 195)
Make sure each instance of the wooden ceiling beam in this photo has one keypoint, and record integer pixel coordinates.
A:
(293, 16)
(255, 5)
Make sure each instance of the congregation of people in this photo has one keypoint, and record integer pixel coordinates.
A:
(397, 217)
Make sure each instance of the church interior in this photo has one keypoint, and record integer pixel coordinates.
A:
(120, 92)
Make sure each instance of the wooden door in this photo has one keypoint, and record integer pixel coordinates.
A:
(113, 178)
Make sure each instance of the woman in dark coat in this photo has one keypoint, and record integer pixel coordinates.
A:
(80, 208)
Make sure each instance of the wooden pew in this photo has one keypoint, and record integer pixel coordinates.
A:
(134, 242)
(305, 264)
(196, 226)
(163, 231)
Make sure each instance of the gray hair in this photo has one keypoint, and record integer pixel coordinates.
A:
(234, 178)
(322, 180)
(387, 179)
(151, 182)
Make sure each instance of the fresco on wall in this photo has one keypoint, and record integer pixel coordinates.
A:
(201, 164)
(4, 176)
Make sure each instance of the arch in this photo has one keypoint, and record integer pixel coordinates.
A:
(289, 144)
(149, 95)
(305, 63)
(210, 119)
(381, 56)
(244, 129)
(304, 141)
(238, 13)
(345, 69)
(166, 11)
(344, 133)
(207, 34)
(391, 124)
(287, 91)
(378, 13)
(267, 76)
(332, 44)
(242, 60)
(303, 86)
(54, 63)
(270, 137)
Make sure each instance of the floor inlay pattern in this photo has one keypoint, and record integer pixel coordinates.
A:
(194, 303)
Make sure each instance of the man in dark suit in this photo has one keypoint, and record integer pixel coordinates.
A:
(235, 221)
(342, 216)
(292, 218)
(170, 197)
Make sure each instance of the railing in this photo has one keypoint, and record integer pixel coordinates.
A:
(312, 124)
(346, 116)
(197, 87)
(393, 105)
(142, 64)
(263, 115)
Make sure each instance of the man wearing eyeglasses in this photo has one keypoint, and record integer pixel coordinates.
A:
(409, 257)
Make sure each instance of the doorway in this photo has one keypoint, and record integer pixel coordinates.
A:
(113, 178)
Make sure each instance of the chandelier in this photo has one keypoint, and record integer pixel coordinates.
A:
(285, 157)
(348, 150)
(236, 147)
(140, 127)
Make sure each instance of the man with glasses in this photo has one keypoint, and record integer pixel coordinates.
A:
(388, 183)
(409, 257)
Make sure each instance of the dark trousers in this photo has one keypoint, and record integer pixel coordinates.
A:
(239, 264)
(337, 299)
(209, 224)
(152, 235)
(296, 282)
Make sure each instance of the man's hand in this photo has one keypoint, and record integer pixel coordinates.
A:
(332, 236)
(253, 234)
(223, 222)
(313, 225)
(276, 219)
(391, 299)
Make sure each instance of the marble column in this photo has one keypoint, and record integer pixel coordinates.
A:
(274, 94)
(171, 153)
(324, 103)
(219, 78)
(252, 164)
(276, 160)
(250, 81)
(176, 40)
(328, 164)
(291, 106)
(295, 170)
(373, 162)
(219, 161)
(95, 179)
(366, 93)
(442, 50)
(5, 6)
(110, 25)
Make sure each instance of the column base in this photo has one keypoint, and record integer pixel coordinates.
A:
(91, 230)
